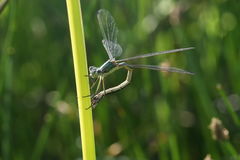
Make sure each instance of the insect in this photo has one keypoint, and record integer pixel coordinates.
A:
(109, 32)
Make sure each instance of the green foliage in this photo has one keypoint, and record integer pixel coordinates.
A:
(158, 116)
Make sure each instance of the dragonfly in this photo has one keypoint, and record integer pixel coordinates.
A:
(109, 32)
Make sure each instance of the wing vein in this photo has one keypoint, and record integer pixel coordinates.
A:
(109, 31)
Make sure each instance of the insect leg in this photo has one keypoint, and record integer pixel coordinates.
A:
(103, 85)
(94, 83)
(99, 82)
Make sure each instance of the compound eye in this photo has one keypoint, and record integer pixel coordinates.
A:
(92, 69)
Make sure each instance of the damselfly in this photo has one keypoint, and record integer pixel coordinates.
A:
(109, 31)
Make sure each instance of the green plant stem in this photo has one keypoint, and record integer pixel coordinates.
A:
(6, 84)
(229, 107)
(43, 136)
(82, 83)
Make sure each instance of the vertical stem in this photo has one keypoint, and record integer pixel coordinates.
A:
(6, 71)
(174, 150)
(229, 107)
(82, 84)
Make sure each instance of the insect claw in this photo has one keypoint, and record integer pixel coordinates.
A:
(95, 100)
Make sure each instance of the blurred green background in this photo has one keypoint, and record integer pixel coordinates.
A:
(158, 116)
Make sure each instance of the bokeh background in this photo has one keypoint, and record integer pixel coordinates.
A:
(158, 116)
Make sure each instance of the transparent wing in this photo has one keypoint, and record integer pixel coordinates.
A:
(113, 49)
(160, 68)
(154, 54)
(109, 31)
